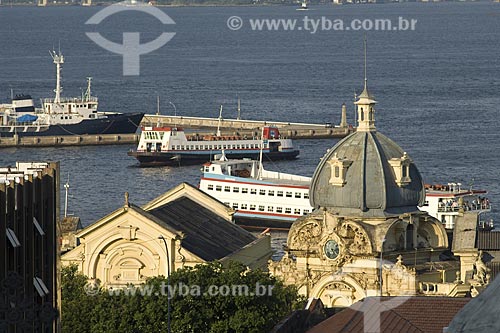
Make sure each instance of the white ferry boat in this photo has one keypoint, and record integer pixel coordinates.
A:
(171, 146)
(445, 202)
(63, 116)
(255, 193)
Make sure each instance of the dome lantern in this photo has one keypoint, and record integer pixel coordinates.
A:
(365, 107)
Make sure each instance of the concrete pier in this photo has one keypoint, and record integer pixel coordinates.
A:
(200, 125)
(69, 140)
(205, 126)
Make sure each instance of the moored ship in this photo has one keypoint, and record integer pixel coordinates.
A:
(63, 116)
(171, 146)
(257, 194)
(259, 197)
(447, 202)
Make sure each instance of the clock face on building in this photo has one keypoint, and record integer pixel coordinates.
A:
(332, 249)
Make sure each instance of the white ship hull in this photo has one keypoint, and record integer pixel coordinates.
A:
(273, 196)
(263, 197)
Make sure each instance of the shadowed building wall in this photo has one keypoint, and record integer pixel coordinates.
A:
(29, 216)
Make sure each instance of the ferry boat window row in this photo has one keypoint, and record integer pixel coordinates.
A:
(271, 193)
(269, 209)
(214, 147)
(152, 135)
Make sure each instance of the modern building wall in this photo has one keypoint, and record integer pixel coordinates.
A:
(29, 248)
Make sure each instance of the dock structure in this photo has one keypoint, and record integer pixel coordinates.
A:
(201, 126)
(248, 127)
(68, 140)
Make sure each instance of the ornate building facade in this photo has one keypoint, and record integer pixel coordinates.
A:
(183, 227)
(366, 236)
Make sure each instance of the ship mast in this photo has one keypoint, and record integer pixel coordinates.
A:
(259, 175)
(220, 119)
(158, 110)
(58, 60)
(88, 93)
(239, 109)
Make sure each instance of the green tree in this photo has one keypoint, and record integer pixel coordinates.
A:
(236, 312)
(77, 306)
(193, 308)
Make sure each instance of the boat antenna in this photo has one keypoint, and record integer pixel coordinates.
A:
(157, 105)
(220, 119)
(66, 189)
(259, 175)
(355, 111)
(11, 93)
(366, 79)
(175, 112)
(58, 61)
(88, 93)
(158, 110)
(239, 109)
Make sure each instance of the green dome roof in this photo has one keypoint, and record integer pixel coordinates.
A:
(370, 185)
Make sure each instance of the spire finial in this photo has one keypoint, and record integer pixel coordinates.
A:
(366, 80)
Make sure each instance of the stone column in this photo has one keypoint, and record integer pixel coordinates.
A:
(343, 119)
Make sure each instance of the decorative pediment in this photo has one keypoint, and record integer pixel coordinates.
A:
(128, 232)
(401, 168)
(338, 167)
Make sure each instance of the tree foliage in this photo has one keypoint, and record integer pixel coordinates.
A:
(193, 307)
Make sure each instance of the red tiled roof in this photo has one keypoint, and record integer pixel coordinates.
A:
(396, 314)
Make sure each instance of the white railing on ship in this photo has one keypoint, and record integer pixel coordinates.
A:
(23, 124)
(71, 100)
(470, 207)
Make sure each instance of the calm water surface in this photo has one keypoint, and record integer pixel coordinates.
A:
(437, 87)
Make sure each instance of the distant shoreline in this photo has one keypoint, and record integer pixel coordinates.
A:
(270, 4)
(172, 5)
